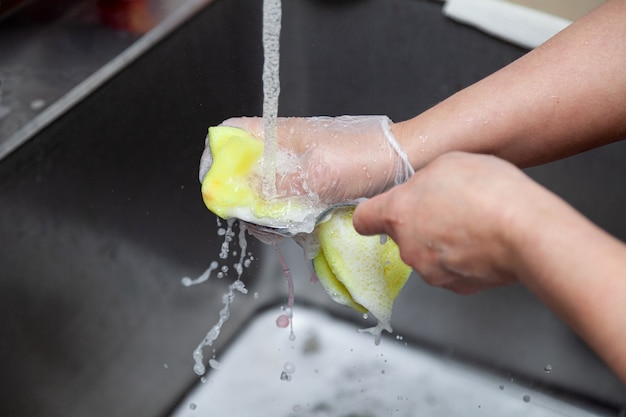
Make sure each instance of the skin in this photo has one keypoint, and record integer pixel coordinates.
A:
(330, 155)
(499, 227)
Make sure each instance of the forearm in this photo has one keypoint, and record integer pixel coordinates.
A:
(567, 96)
(579, 271)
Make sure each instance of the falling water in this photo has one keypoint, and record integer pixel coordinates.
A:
(271, 89)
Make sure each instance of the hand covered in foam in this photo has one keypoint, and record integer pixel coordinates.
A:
(335, 159)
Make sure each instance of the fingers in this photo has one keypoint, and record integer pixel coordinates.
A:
(252, 125)
(369, 216)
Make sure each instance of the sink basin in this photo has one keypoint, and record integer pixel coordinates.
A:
(101, 217)
(331, 370)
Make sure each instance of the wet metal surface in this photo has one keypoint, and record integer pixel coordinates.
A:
(53, 54)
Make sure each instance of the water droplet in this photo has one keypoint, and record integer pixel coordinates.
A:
(282, 321)
(213, 363)
(501, 387)
(165, 366)
(255, 295)
(365, 316)
(526, 398)
(186, 281)
(199, 369)
(284, 376)
(192, 406)
(37, 104)
(289, 367)
(547, 369)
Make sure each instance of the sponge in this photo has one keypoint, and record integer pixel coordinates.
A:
(231, 187)
(361, 272)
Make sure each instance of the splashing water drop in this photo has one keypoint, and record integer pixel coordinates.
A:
(188, 282)
(526, 398)
(227, 298)
(282, 321)
(289, 367)
(547, 369)
(199, 368)
(288, 311)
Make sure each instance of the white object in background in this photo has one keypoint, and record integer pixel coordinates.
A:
(521, 25)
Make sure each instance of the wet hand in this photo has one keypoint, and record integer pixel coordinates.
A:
(338, 158)
(454, 220)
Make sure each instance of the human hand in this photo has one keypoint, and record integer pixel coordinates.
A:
(454, 220)
(339, 158)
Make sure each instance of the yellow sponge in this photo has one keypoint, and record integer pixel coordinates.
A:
(231, 187)
(359, 271)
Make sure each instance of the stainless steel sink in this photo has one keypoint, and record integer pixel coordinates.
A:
(101, 215)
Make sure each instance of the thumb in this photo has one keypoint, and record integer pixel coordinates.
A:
(368, 218)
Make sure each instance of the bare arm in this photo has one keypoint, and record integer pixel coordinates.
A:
(567, 96)
(579, 271)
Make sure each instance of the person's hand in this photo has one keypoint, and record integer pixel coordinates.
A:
(453, 220)
(338, 158)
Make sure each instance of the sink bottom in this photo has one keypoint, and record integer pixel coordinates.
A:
(331, 370)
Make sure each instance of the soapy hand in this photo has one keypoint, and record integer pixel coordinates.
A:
(338, 158)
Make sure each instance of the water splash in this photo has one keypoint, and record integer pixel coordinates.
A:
(286, 318)
(237, 285)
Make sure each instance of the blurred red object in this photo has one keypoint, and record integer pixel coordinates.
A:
(128, 15)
